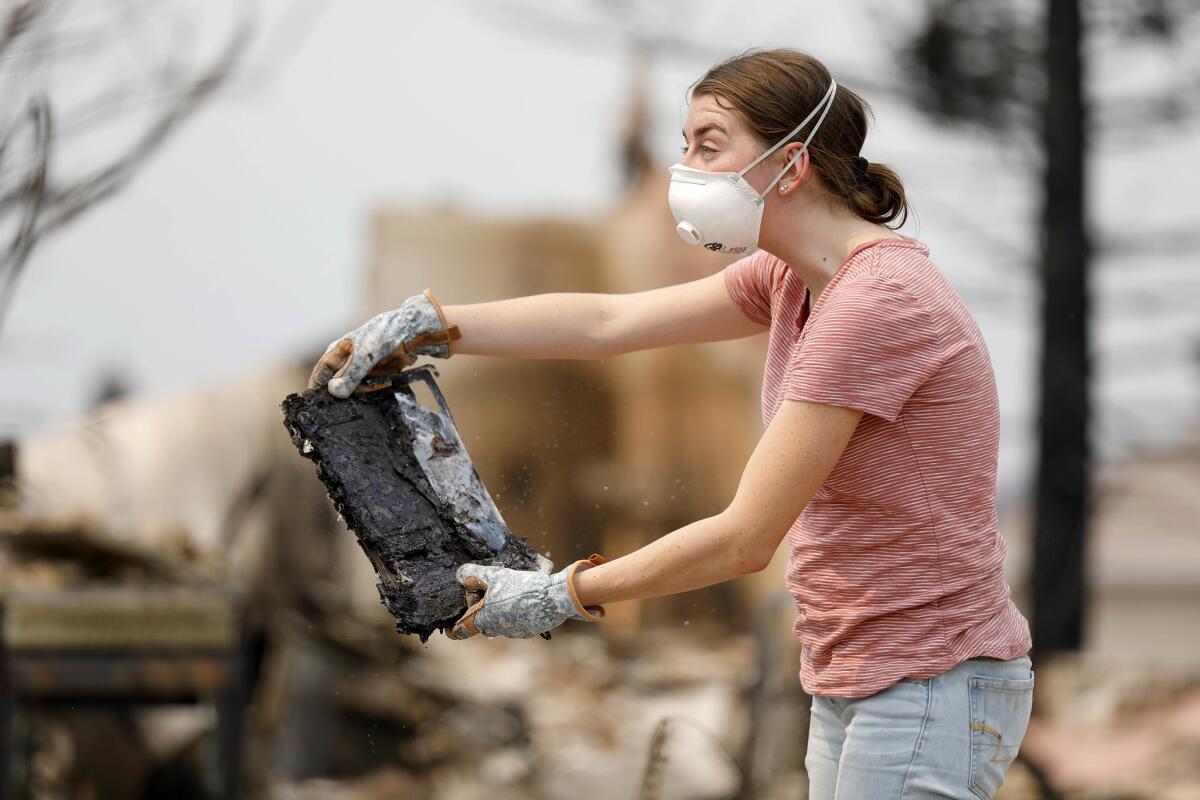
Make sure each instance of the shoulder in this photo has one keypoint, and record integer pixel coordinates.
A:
(901, 288)
(891, 271)
(902, 260)
(883, 295)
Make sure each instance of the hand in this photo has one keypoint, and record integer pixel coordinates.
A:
(388, 341)
(519, 603)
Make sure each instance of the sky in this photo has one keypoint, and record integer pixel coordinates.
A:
(243, 241)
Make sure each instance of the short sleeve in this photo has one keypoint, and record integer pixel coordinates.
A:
(750, 282)
(870, 346)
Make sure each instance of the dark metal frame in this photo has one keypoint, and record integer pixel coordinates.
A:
(114, 678)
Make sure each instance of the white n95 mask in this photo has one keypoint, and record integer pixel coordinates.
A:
(721, 210)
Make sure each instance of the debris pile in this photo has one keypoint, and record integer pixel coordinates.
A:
(1126, 729)
(338, 706)
(96, 635)
(576, 719)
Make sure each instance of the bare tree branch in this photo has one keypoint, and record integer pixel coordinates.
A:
(67, 203)
(19, 20)
(43, 200)
(14, 259)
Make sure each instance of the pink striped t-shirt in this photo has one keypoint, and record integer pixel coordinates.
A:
(896, 563)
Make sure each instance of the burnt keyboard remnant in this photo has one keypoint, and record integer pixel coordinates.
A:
(399, 475)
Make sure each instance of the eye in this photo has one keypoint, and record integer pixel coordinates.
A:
(683, 148)
(706, 150)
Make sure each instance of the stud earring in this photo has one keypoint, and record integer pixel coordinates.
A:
(784, 187)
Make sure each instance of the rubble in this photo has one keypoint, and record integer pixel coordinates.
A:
(1116, 728)
(590, 708)
(95, 635)
(400, 477)
(341, 707)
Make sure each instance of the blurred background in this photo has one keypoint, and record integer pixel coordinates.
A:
(196, 197)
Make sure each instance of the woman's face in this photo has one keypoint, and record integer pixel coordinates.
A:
(716, 139)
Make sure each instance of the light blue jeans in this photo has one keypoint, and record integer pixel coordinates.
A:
(949, 736)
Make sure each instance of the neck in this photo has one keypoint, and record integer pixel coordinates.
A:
(814, 240)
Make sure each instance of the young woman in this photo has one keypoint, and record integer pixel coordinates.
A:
(878, 462)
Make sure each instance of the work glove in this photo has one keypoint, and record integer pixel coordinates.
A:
(387, 342)
(520, 603)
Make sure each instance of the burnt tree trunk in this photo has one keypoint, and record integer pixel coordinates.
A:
(1061, 509)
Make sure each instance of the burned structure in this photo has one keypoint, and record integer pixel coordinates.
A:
(401, 478)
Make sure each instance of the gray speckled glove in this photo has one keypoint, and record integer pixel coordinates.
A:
(520, 603)
(387, 342)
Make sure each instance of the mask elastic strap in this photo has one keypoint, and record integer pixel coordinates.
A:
(824, 106)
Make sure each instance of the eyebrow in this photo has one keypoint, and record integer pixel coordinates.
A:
(705, 128)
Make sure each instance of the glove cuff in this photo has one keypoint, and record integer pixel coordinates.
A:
(439, 343)
(588, 613)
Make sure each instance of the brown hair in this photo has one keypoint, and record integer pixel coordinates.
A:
(774, 89)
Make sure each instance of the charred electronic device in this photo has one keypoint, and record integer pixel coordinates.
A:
(401, 478)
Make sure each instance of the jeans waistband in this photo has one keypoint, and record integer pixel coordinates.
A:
(993, 658)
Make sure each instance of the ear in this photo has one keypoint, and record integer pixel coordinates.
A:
(796, 174)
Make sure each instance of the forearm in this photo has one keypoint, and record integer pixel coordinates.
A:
(798, 451)
(709, 551)
(553, 325)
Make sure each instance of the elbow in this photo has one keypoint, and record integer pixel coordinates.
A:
(753, 548)
(748, 564)
(757, 563)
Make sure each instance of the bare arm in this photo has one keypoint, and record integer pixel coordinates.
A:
(796, 453)
(585, 325)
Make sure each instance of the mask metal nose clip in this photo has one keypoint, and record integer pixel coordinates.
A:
(688, 232)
